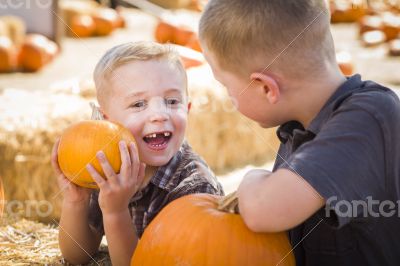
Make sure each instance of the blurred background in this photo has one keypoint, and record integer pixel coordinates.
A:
(48, 50)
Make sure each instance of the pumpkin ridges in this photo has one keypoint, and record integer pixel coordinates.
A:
(200, 225)
(195, 222)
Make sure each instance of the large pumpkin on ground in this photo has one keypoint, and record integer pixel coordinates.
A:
(79, 144)
(198, 230)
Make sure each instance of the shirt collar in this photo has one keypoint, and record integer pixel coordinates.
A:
(286, 130)
(163, 178)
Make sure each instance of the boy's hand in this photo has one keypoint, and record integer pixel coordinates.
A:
(118, 189)
(73, 194)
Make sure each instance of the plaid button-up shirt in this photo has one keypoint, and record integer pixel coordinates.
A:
(186, 173)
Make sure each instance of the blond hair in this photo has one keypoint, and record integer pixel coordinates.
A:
(289, 35)
(129, 52)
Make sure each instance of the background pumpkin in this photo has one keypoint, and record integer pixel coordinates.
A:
(106, 20)
(201, 230)
(183, 35)
(164, 32)
(35, 52)
(7, 55)
(82, 26)
(79, 144)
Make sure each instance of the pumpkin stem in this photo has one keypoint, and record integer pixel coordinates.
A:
(229, 203)
(96, 114)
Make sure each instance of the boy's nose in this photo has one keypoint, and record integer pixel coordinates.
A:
(158, 112)
(158, 117)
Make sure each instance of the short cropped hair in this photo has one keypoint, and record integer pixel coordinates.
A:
(129, 52)
(242, 34)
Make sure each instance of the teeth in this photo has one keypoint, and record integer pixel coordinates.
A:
(154, 135)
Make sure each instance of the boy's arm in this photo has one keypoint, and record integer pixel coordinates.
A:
(273, 202)
(78, 242)
(121, 237)
(116, 190)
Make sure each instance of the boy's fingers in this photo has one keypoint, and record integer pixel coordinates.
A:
(100, 181)
(111, 176)
(126, 166)
(135, 161)
(141, 175)
(54, 158)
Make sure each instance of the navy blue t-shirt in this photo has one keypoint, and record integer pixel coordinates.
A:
(350, 154)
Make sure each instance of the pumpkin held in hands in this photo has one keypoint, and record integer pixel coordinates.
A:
(79, 144)
(202, 230)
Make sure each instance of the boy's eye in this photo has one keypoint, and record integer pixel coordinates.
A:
(172, 101)
(138, 105)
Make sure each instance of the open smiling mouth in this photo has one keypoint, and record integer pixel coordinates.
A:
(158, 141)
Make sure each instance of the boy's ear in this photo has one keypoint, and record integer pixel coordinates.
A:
(105, 116)
(270, 86)
(189, 106)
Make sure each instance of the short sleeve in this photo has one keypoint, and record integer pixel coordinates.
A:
(95, 216)
(344, 163)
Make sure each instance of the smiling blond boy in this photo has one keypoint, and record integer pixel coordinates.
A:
(142, 86)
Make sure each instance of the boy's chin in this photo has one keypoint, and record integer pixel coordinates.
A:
(157, 162)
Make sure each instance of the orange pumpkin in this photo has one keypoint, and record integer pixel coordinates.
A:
(194, 44)
(346, 11)
(370, 23)
(106, 20)
(121, 22)
(391, 25)
(345, 63)
(82, 26)
(164, 32)
(394, 47)
(190, 57)
(7, 55)
(197, 230)
(35, 52)
(79, 144)
(51, 49)
(183, 35)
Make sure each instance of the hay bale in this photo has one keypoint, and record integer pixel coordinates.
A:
(31, 122)
(25, 242)
(1, 197)
(220, 134)
(84, 88)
